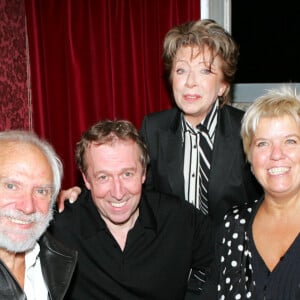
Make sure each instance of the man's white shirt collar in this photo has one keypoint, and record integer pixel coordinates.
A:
(34, 285)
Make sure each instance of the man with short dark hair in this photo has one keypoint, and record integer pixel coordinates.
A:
(131, 245)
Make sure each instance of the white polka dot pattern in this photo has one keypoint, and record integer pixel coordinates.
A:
(236, 278)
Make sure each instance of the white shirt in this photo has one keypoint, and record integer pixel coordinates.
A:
(34, 287)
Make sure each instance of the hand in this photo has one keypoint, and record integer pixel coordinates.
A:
(71, 194)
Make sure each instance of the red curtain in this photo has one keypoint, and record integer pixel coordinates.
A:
(97, 59)
(14, 102)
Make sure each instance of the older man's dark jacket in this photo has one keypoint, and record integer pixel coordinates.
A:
(57, 263)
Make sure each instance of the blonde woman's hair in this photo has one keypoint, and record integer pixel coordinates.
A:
(283, 101)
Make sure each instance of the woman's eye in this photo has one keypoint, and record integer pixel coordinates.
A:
(205, 71)
(261, 144)
(180, 71)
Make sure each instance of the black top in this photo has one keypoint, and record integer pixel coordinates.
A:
(283, 282)
(169, 237)
(240, 272)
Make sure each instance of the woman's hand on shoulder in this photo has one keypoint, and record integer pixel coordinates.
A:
(70, 195)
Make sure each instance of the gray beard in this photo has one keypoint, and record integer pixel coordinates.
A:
(22, 240)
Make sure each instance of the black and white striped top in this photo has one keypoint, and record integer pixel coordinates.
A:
(191, 145)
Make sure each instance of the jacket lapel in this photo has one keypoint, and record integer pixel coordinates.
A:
(173, 162)
(171, 150)
(225, 147)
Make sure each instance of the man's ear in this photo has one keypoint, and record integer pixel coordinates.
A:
(86, 182)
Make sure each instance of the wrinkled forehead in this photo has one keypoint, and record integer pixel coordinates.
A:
(23, 158)
(10, 147)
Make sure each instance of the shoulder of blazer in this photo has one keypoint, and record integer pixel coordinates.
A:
(163, 120)
(230, 119)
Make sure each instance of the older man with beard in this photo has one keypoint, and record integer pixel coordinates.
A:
(33, 265)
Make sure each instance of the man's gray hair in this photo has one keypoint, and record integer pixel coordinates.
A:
(27, 137)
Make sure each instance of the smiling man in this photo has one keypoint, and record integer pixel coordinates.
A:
(32, 264)
(131, 245)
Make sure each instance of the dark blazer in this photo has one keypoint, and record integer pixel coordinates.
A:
(231, 181)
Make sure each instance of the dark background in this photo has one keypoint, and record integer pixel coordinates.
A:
(268, 34)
